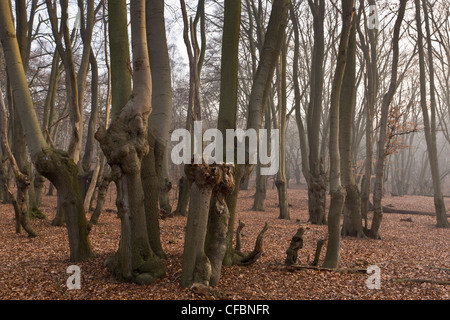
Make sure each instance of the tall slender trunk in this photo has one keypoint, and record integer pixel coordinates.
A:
(381, 157)
(352, 225)
(370, 57)
(337, 192)
(281, 175)
(429, 121)
(316, 176)
(153, 166)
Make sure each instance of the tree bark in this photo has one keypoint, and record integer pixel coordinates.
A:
(381, 157)
(352, 225)
(317, 182)
(196, 266)
(53, 164)
(281, 175)
(271, 49)
(124, 144)
(429, 121)
(21, 203)
(153, 166)
(337, 192)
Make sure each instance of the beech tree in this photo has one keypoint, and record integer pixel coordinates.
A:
(429, 116)
(273, 41)
(53, 164)
(337, 191)
(125, 144)
(381, 154)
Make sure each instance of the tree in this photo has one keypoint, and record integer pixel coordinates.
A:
(261, 87)
(280, 181)
(154, 165)
(337, 191)
(352, 225)
(429, 121)
(316, 180)
(370, 57)
(53, 164)
(208, 217)
(21, 203)
(125, 144)
(381, 154)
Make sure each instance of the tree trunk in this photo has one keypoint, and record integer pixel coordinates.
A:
(125, 144)
(352, 225)
(281, 175)
(337, 192)
(216, 235)
(430, 124)
(21, 203)
(381, 158)
(101, 195)
(271, 49)
(53, 164)
(370, 56)
(120, 57)
(196, 265)
(317, 182)
(153, 166)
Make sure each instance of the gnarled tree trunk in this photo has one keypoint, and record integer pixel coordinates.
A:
(125, 144)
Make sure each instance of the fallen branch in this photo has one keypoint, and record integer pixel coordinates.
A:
(320, 244)
(413, 280)
(342, 270)
(439, 268)
(257, 251)
(399, 211)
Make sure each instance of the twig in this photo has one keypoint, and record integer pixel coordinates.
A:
(421, 281)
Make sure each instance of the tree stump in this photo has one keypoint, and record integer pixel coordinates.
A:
(296, 244)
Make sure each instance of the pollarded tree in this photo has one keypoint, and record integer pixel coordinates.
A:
(53, 164)
(125, 144)
(207, 225)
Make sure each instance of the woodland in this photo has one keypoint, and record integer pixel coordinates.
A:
(94, 94)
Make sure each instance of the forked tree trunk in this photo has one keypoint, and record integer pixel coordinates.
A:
(52, 164)
(124, 145)
(196, 266)
(271, 49)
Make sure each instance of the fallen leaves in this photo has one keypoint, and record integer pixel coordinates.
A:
(36, 268)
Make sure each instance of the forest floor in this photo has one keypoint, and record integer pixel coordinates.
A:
(36, 268)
